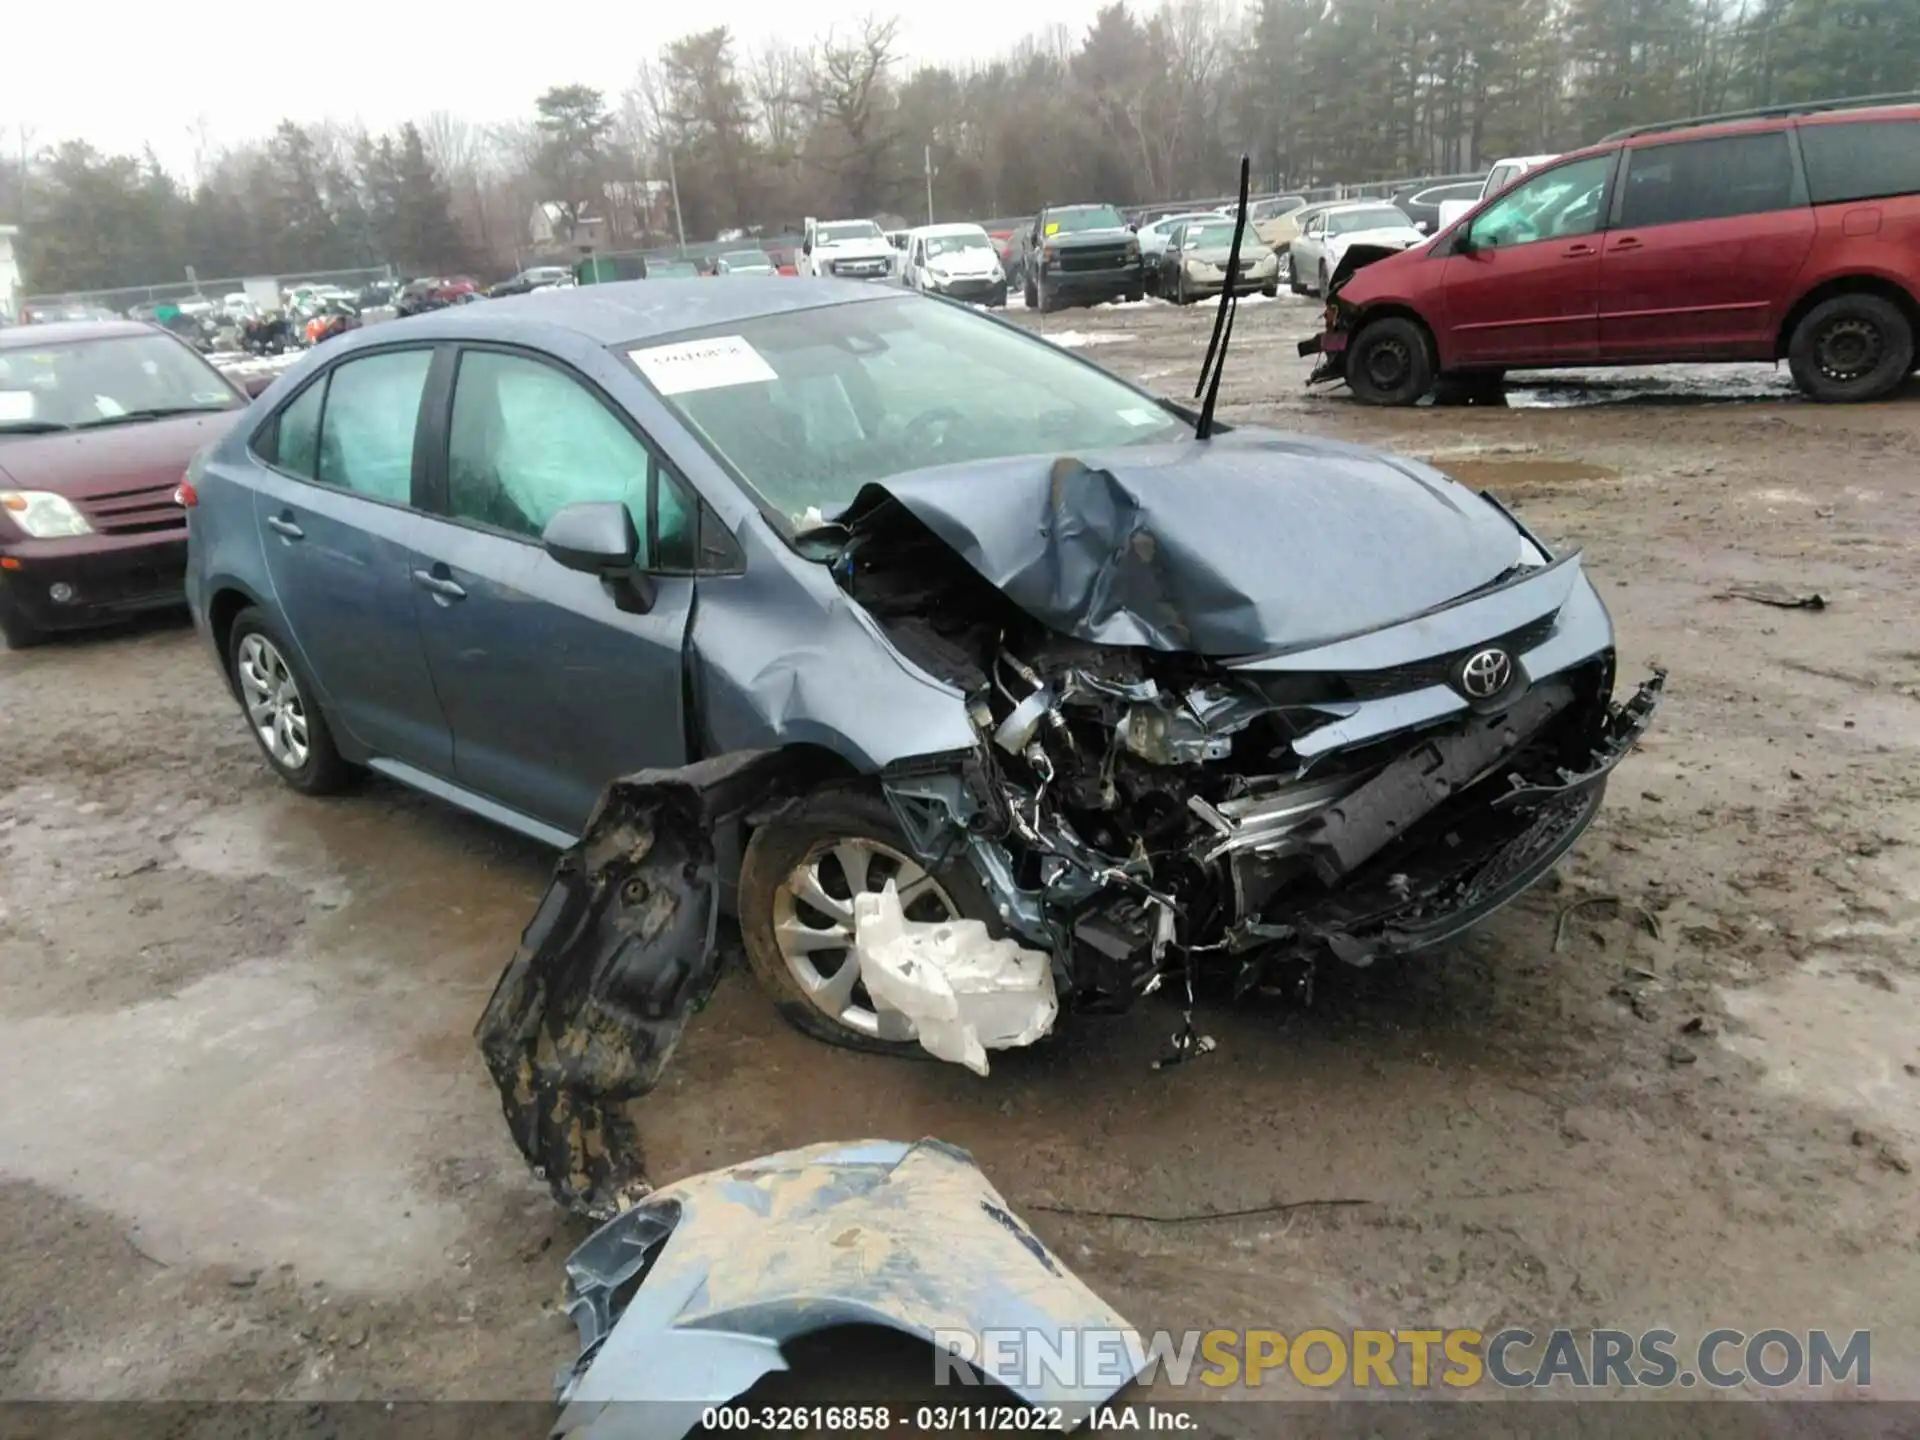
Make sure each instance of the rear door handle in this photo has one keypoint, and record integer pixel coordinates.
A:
(1627, 244)
(444, 588)
(284, 526)
(1574, 252)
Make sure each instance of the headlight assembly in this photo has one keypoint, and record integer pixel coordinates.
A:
(43, 515)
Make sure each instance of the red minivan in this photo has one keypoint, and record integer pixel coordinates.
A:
(1787, 235)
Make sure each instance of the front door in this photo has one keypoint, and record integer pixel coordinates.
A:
(1524, 287)
(333, 500)
(550, 688)
(1701, 260)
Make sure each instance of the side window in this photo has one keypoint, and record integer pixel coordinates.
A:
(292, 442)
(1499, 178)
(366, 432)
(526, 439)
(1554, 204)
(1708, 180)
(1866, 160)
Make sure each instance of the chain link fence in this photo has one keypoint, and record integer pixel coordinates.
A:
(127, 296)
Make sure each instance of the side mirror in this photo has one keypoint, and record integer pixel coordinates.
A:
(257, 385)
(596, 537)
(1463, 241)
(1422, 226)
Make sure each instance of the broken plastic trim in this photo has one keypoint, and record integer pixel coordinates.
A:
(588, 1012)
(734, 1263)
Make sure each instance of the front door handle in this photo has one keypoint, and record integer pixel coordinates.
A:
(444, 588)
(1574, 252)
(283, 525)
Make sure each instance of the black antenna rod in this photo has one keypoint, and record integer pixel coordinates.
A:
(1216, 361)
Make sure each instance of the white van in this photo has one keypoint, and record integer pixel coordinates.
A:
(1503, 174)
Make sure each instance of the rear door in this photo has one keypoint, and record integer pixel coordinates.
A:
(1525, 289)
(1707, 239)
(1864, 181)
(549, 687)
(333, 498)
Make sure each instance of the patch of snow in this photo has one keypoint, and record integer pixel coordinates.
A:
(1074, 339)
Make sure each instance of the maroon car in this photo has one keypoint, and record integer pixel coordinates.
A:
(97, 424)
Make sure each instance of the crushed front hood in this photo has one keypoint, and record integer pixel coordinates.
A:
(1243, 544)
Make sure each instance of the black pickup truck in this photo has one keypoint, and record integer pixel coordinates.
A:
(1080, 255)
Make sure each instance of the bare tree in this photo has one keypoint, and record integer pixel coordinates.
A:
(848, 92)
(777, 82)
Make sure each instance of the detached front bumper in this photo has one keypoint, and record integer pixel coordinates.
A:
(75, 582)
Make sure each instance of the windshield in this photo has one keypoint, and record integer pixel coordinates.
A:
(746, 260)
(1377, 217)
(80, 383)
(848, 230)
(1271, 209)
(955, 244)
(1212, 237)
(807, 407)
(671, 270)
(1094, 217)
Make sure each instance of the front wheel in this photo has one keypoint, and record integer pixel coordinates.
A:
(1270, 289)
(1326, 284)
(1389, 363)
(798, 879)
(1851, 348)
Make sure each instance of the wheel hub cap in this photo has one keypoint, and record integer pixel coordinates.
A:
(1387, 364)
(274, 705)
(813, 925)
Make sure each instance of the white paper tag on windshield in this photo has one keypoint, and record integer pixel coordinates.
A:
(16, 405)
(703, 365)
(1142, 416)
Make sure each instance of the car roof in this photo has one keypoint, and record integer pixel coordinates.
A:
(949, 227)
(1359, 205)
(26, 337)
(617, 313)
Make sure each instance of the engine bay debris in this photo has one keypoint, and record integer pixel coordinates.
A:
(964, 991)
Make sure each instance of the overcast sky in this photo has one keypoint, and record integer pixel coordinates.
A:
(134, 76)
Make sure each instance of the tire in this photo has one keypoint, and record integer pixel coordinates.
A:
(1851, 348)
(19, 632)
(1031, 294)
(1270, 289)
(1136, 295)
(1180, 295)
(1389, 363)
(258, 657)
(1326, 283)
(812, 834)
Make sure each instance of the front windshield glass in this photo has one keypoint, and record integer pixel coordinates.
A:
(849, 230)
(79, 383)
(1377, 217)
(808, 406)
(955, 244)
(1094, 217)
(1213, 237)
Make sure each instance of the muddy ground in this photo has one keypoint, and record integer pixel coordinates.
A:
(248, 1148)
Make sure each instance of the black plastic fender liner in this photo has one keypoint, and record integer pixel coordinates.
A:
(622, 948)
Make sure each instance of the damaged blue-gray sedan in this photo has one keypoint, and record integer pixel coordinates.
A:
(777, 593)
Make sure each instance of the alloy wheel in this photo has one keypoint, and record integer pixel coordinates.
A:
(813, 924)
(275, 707)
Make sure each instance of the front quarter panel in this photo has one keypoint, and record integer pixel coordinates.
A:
(782, 656)
(223, 540)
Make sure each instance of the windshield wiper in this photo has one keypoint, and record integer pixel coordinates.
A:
(151, 412)
(1216, 361)
(32, 427)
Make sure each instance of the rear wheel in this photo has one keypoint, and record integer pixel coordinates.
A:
(1389, 363)
(282, 708)
(1326, 283)
(797, 882)
(1850, 348)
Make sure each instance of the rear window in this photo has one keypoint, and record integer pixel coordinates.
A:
(1864, 160)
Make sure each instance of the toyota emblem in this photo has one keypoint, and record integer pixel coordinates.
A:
(1486, 673)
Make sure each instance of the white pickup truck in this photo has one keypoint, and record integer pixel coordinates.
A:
(1503, 174)
(851, 249)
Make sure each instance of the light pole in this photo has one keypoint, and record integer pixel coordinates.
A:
(929, 160)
